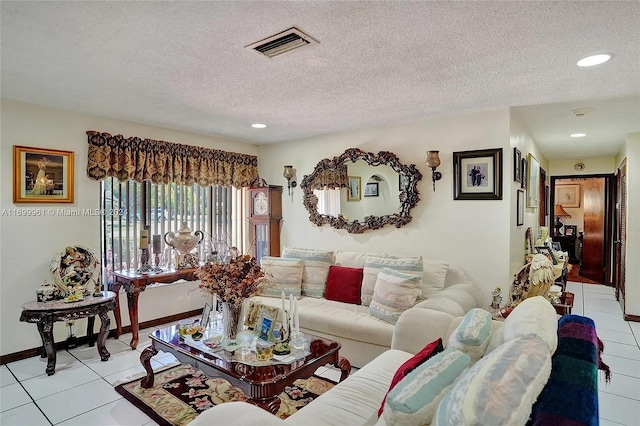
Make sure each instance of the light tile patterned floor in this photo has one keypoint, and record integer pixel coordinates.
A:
(81, 392)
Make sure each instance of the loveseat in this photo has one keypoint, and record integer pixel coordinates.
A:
(309, 274)
(491, 372)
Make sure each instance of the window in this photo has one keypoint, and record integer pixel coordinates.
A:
(215, 210)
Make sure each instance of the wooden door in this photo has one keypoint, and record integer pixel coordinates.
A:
(593, 249)
(620, 244)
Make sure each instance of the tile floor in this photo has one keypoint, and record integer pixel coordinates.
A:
(81, 392)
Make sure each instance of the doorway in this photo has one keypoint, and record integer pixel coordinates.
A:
(587, 220)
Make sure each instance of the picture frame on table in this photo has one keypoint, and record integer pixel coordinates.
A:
(251, 318)
(42, 175)
(267, 318)
(520, 208)
(568, 195)
(371, 189)
(547, 251)
(354, 191)
(477, 175)
(571, 230)
(517, 165)
(555, 245)
(206, 314)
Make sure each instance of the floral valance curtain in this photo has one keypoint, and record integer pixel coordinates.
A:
(334, 177)
(164, 162)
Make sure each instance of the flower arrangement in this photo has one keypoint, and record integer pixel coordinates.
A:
(234, 281)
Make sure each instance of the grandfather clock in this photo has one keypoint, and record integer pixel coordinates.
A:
(266, 212)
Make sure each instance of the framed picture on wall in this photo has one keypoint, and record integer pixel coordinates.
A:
(371, 189)
(568, 195)
(354, 193)
(477, 175)
(571, 230)
(533, 184)
(42, 175)
(517, 165)
(520, 208)
(525, 173)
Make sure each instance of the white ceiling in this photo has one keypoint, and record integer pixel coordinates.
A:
(183, 65)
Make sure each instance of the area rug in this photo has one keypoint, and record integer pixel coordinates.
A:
(574, 275)
(181, 393)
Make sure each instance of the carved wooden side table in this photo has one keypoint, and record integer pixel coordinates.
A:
(44, 314)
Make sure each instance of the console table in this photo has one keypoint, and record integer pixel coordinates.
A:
(134, 283)
(44, 314)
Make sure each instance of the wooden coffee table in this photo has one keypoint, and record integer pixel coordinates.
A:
(261, 382)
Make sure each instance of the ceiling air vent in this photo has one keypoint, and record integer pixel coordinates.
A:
(281, 43)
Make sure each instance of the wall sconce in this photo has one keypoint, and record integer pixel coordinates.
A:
(433, 161)
(289, 174)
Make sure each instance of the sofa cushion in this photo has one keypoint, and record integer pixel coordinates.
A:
(394, 293)
(343, 284)
(433, 275)
(373, 265)
(351, 259)
(472, 334)
(415, 399)
(316, 268)
(534, 315)
(282, 275)
(425, 353)
(500, 388)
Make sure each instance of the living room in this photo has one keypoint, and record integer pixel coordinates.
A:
(480, 236)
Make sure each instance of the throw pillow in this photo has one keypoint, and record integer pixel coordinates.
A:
(501, 388)
(343, 284)
(394, 293)
(472, 334)
(282, 275)
(434, 274)
(316, 268)
(374, 264)
(411, 364)
(415, 399)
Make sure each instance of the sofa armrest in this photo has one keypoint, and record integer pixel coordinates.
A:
(236, 413)
(417, 327)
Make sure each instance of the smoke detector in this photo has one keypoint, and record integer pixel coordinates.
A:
(580, 112)
(281, 43)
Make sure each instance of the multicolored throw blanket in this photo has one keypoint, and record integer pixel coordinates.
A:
(570, 397)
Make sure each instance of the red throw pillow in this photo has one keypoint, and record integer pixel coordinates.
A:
(343, 284)
(411, 364)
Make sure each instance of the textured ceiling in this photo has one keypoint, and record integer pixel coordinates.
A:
(183, 65)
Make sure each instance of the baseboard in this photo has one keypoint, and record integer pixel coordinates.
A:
(634, 318)
(29, 353)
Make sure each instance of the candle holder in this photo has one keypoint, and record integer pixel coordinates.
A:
(145, 268)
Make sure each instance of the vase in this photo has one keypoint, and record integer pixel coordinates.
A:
(231, 320)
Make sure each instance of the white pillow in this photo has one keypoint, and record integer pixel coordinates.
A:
(501, 388)
(414, 400)
(472, 334)
(351, 259)
(394, 293)
(282, 275)
(373, 264)
(434, 274)
(316, 268)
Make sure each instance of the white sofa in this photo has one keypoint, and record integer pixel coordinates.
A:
(356, 400)
(445, 291)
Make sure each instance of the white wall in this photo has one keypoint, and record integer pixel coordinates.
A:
(632, 294)
(27, 244)
(592, 166)
(472, 234)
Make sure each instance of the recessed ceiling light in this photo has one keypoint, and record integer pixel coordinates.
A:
(258, 125)
(578, 135)
(590, 61)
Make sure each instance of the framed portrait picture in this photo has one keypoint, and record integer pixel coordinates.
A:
(353, 192)
(520, 208)
(524, 173)
(266, 322)
(371, 189)
(568, 195)
(571, 230)
(533, 184)
(42, 175)
(477, 175)
(517, 165)
(547, 251)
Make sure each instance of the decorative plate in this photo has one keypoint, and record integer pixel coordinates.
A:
(75, 270)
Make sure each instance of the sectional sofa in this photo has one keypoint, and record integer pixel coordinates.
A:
(473, 370)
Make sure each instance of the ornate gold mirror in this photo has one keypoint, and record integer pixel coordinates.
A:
(360, 190)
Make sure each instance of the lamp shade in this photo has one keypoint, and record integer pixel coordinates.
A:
(433, 159)
(558, 211)
(289, 172)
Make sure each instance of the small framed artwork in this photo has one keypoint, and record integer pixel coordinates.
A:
(571, 230)
(206, 313)
(251, 318)
(533, 185)
(568, 195)
(517, 165)
(371, 189)
(547, 251)
(524, 174)
(520, 208)
(403, 182)
(42, 175)
(556, 246)
(477, 175)
(266, 322)
(353, 193)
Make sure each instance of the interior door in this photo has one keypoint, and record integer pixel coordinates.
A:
(620, 251)
(593, 243)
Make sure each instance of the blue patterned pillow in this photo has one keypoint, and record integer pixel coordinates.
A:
(473, 334)
(316, 268)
